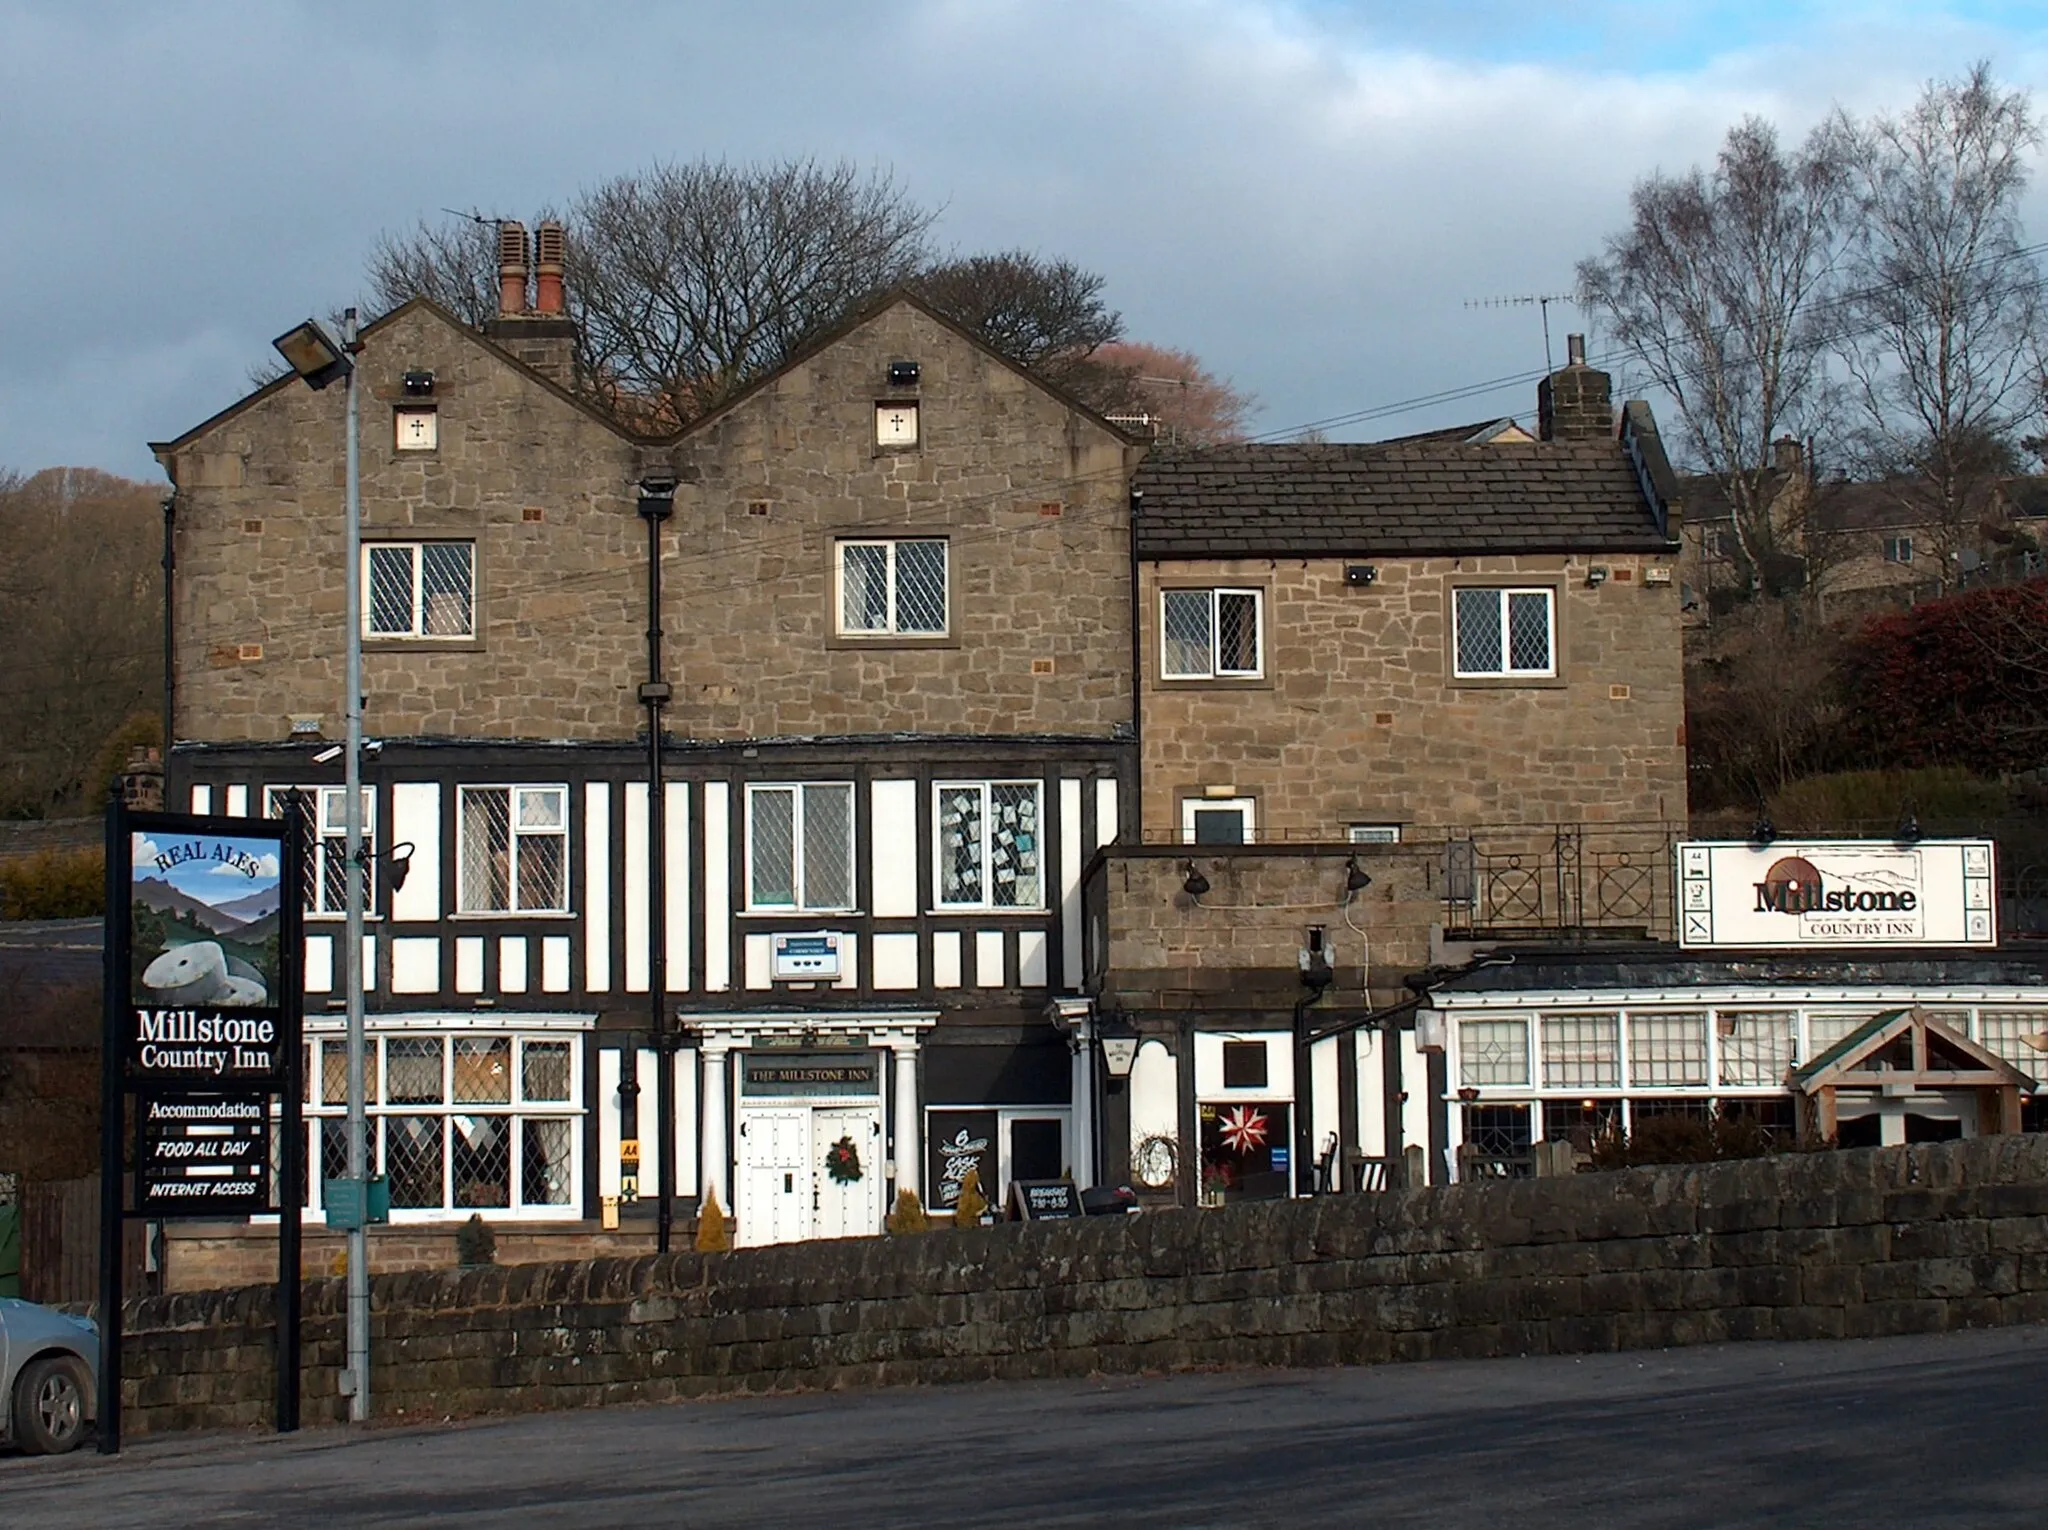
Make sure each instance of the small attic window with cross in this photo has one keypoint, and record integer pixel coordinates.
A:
(896, 424)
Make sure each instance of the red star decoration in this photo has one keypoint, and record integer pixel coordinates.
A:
(1244, 1129)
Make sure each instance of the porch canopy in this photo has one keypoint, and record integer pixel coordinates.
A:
(1904, 1068)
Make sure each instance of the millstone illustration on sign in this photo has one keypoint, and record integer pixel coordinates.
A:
(204, 955)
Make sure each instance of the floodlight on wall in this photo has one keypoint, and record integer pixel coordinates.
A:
(312, 351)
(903, 374)
(1597, 574)
(1763, 831)
(1356, 878)
(1195, 884)
(1908, 831)
(418, 384)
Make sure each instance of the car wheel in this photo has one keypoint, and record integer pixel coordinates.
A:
(49, 1406)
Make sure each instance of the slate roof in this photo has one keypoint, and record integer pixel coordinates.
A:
(1432, 494)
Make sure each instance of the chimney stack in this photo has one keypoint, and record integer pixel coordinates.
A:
(511, 268)
(1576, 402)
(542, 336)
(548, 241)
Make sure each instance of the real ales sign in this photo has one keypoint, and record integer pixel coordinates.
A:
(1838, 893)
(205, 952)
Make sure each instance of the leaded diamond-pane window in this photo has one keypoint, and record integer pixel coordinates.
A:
(412, 1160)
(327, 843)
(800, 846)
(1493, 1052)
(482, 1071)
(1668, 1050)
(893, 587)
(545, 1072)
(545, 1165)
(1756, 1045)
(1581, 1051)
(990, 845)
(480, 1154)
(412, 1071)
(1209, 634)
(1504, 632)
(2006, 1032)
(515, 849)
(419, 590)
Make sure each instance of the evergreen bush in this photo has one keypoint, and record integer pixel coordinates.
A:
(713, 1235)
(909, 1215)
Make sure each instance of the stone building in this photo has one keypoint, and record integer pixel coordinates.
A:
(1394, 700)
(897, 720)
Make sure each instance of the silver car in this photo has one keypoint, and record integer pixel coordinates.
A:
(49, 1362)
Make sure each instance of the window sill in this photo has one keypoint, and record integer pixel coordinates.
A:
(422, 645)
(1507, 682)
(963, 911)
(1218, 683)
(801, 913)
(884, 640)
(542, 915)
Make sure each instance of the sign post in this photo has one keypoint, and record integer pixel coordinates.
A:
(203, 1001)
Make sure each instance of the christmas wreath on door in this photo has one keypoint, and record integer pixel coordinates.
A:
(842, 1161)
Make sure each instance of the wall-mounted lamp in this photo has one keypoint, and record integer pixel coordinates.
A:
(1356, 880)
(903, 374)
(1360, 573)
(418, 384)
(1908, 831)
(1763, 831)
(1597, 574)
(328, 755)
(1195, 883)
(398, 863)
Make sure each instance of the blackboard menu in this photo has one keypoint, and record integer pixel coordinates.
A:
(957, 1141)
(1045, 1200)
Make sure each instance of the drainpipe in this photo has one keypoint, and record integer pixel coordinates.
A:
(170, 561)
(1316, 977)
(1137, 836)
(657, 504)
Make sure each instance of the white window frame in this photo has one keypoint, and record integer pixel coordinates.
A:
(1215, 669)
(463, 903)
(1246, 809)
(986, 902)
(1503, 593)
(328, 847)
(417, 630)
(1372, 833)
(516, 1111)
(800, 791)
(892, 627)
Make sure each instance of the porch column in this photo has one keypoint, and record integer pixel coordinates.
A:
(1087, 1142)
(909, 1144)
(715, 1158)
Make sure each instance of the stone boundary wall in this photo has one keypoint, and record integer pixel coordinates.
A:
(1823, 1245)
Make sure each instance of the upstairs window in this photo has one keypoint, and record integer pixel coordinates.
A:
(892, 588)
(800, 847)
(1504, 632)
(327, 844)
(419, 590)
(1210, 635)
(989, 844)
(515, 849)
(1898, 549)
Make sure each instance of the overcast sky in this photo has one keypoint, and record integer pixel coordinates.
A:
(1308, 195)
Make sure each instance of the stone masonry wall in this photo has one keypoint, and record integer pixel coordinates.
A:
(1826, 1245)
(1359, 720)
(1030, 494)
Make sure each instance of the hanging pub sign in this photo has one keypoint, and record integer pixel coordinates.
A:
(203, 1155)
(1838, 893)
(205, 952)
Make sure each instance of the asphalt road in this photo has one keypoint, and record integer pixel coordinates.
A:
(1935, 1431)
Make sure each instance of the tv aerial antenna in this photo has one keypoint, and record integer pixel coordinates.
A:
(1541, 300)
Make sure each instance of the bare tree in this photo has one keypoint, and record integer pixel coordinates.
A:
(1192, 405)
(688, 281)
(1718, 290)
(1941, 326)
(1044, 314)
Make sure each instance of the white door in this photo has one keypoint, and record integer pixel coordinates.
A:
(775, 1181)
(848, 1208)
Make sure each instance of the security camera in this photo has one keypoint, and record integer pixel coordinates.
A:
(330, 753)
(373, 747)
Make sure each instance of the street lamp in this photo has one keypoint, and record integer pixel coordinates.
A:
(319, 358)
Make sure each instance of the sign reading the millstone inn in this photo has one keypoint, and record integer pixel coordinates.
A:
(205, 956)
(1838, 893)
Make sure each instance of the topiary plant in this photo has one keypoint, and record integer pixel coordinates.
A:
(972, 1204)
(475, 1243)
(714, 1236)
(909, 1215)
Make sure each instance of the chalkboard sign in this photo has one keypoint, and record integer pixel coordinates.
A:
(957, 1141)
(1045, 1200)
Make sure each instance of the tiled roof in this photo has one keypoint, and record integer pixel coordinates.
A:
(1422, 495)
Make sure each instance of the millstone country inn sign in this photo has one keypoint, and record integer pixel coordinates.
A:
(201, 1048)
(1837, 893)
